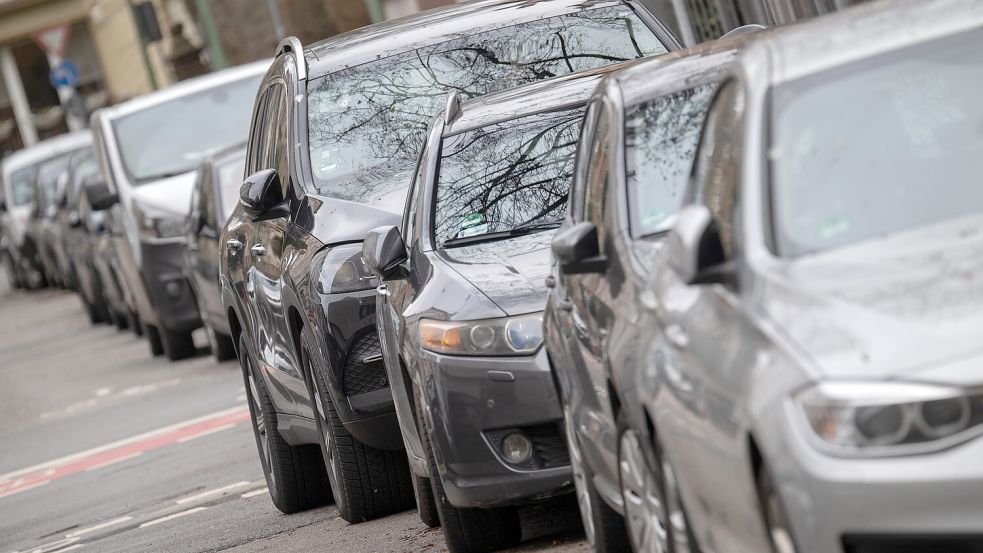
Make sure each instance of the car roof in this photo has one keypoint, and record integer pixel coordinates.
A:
(541, 96)
(184, 88)
(434, 26)
(860, 32)
(701, 64)
(46, 149)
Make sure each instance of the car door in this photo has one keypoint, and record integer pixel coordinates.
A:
(275, 347)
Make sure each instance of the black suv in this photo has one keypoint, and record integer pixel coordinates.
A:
(336, 131)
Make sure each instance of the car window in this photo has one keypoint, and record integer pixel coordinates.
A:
(184, 131)
(254, 159)
(86, 165)
(368, 122)
(661, 137)
(505, 176)
(48, 174)
(718, 161)
(902, 151)
(22, 185)
(597, 172)
(229, 175)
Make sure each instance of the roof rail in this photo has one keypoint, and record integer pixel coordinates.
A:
(291, 45)
(453, 108)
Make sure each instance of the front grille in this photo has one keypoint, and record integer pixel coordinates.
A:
(549, 445)
(361, 376)
(925, 543)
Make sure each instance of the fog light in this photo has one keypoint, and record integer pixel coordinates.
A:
(173, 288)
(516, 448)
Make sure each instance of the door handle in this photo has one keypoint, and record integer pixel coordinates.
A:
(258, 249)
(677, 336)
(234, 245)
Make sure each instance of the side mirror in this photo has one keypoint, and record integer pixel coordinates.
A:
(385, 252)
(578, 250)
(3, 205)
(260, 191)
(694, 249)
(99, 195)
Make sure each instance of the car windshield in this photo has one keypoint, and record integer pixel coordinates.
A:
(506, 177)
(661, 137)
(22, 185)
(186, 130)
(230, 174)
(878, 147)
(369, 122)
(48, 174)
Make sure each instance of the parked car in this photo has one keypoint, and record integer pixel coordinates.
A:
(214, 196)
(813, 379)
(23, 249)
(81, 229)
(69, 187)
(460, 310)
(336, 131)
(639, 141)
(117, 295)
(184, 124)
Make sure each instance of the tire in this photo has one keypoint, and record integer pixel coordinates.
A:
(121, 321)
(470, 530)
(221, 345)
(154, 340)
(177, 345)
(96, 315)
(653, 507)
(604, 528)
(136, 326)
(367, 483)
(426, 506)
(295, 475)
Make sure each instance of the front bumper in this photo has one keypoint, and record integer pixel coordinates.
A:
(472, 403)
(922, 503)
(167, 286)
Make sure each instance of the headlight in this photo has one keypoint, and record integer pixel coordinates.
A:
(520, 335)
(890, 418)
(156, 224)
(343, 270)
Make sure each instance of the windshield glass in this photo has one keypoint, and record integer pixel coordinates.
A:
(185, 131)
(230, 174)
(877, 147)
(22, 185)
(505, 176)
(370, 121)
(48, 175)
(661, 137)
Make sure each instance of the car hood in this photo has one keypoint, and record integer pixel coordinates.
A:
(892, 307)
(380, 203)
(511, 273)
(171, 195)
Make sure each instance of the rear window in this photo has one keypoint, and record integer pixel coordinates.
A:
(368, 123)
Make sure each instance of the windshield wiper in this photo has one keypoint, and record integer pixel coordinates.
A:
(520, 230)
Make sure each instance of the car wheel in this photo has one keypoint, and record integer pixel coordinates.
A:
(177, 345)
(221, 345)
(367, 483)
(96, 315)
(119, 319)
(776, 518)
(154, 340)
(604, 528)
(469, 530)
(136, 325)
(653, 510)
(426, 506)
(295, 475)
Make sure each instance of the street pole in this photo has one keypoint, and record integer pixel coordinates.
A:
(216, 54)
(277, 22)
(18, 98)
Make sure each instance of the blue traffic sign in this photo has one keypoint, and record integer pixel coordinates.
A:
(66, 73)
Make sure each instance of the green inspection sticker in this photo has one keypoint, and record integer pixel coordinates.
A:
(834, 226)
(472, 225)
(472, 220)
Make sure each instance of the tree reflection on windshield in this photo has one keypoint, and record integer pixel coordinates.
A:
(373, 118)
(505, 176)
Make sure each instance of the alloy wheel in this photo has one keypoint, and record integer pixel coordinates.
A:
(646, 510)
(580, 482)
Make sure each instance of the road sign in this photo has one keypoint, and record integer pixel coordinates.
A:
(66, 73)
(53, 40)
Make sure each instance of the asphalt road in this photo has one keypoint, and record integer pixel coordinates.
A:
(104, 448)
